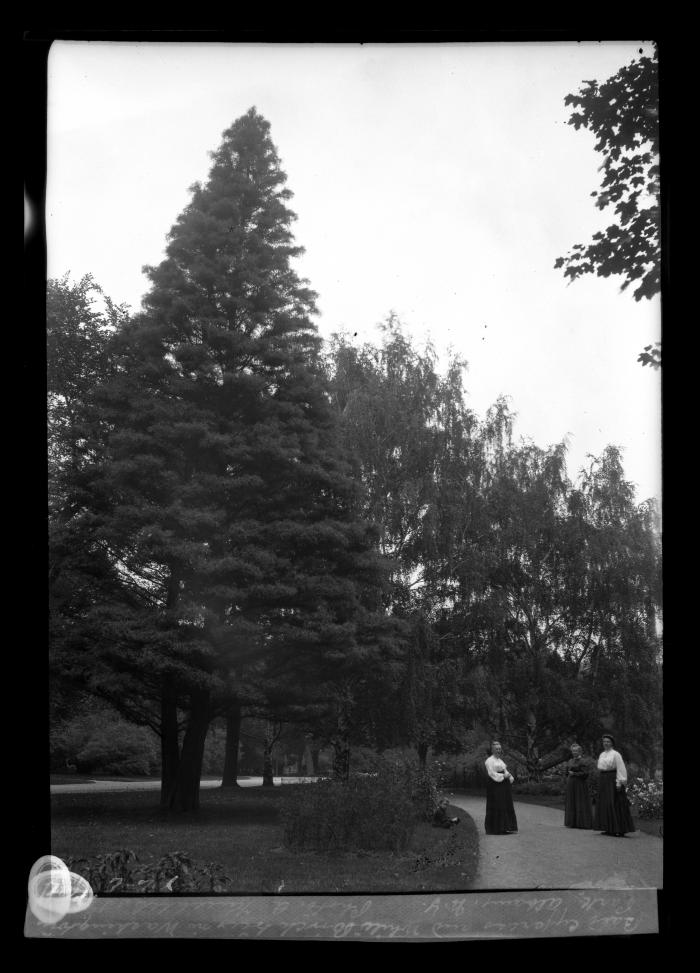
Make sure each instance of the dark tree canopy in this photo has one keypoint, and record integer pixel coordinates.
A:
(623, 114)
(220, 506)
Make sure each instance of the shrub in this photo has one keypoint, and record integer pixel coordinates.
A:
(648, 796)
(423, 791)
(421, 784)
(371, 811)
(123, 871)
(103, 743)
(453, 770)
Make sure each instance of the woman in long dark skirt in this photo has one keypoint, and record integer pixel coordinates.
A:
(612, 812)
(500, 813)
(577, 807)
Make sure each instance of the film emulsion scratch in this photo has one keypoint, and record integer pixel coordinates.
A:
(517, 915)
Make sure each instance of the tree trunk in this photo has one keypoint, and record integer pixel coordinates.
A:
(557, 756)
(422, 748)
(532, 753)
(268, 774)
(341, 739)
(341, 758)
(268, 744)
(185, 794)
(502, 722)
(300, 760)
(315, 754)
(170, 734)
(169, 746)
(233, 738)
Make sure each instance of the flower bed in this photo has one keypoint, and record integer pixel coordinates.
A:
(646, 798)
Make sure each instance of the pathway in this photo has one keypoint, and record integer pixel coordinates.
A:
(545, 854)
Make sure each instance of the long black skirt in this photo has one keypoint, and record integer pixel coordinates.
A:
(578, 812)
(500, 813)
(612, 811)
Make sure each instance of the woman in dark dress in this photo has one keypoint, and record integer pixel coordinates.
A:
(500, 813)
(577, 808)
(612, 812)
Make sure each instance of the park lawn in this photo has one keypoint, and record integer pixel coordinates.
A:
(240, 829)
(58, 779)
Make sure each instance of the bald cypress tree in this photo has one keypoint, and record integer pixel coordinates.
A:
(221, 496)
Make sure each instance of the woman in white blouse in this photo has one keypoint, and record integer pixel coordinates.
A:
(500, 813)
(612, 811)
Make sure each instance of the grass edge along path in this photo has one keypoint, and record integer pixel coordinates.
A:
(240, 830)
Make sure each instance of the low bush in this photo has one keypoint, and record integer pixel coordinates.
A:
(402, 765)
(103, 743)
(423, 791)
(370, 811)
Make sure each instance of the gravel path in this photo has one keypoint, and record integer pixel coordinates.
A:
(545, 854)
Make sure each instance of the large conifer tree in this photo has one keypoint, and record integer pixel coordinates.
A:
(222, 498)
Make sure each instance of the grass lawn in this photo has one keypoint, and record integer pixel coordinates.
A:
(240, 829)
(83, 779)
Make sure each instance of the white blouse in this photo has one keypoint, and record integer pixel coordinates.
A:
(611, 760)
(497, 770)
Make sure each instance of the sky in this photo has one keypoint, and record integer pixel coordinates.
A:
(436, 181)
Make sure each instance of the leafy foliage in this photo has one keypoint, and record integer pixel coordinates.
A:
(518, 594)
(364, 812)
(622, 113)
(563, 614)
(124, 872)
(80, 321)
(648, 796)
(103, 743)
(416, 452)
(420, 782)
(651, 355)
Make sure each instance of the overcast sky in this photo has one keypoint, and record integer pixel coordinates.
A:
(440, 181)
